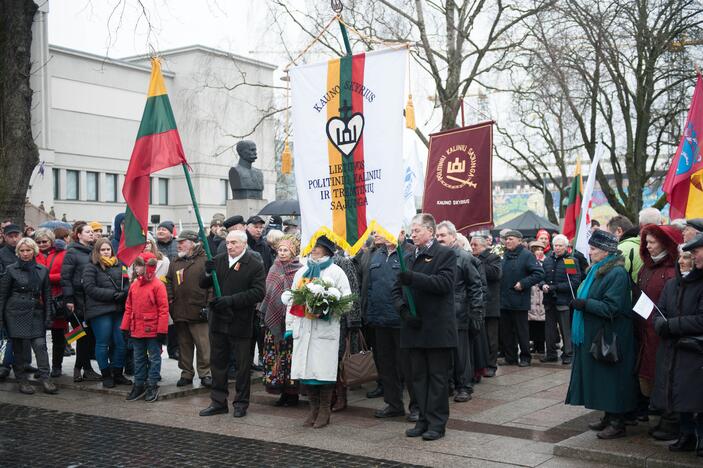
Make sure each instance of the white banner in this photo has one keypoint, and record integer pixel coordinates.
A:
(348, 129)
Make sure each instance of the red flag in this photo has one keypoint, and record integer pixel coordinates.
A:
(158, 146)
(573, 207)
(458, 185)
(684, 181)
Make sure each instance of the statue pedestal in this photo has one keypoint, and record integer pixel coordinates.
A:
(245, 207)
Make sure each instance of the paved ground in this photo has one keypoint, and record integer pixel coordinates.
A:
(515, 419)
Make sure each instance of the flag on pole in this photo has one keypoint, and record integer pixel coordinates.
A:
(684, 181)
(573, 207)
(158, 146)
(75, 334)
(348, 127)
(583, 233)
(570, 265)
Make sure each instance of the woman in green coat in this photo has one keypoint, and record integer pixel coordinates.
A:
(603, 301)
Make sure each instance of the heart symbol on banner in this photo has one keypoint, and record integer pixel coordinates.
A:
(345, 135)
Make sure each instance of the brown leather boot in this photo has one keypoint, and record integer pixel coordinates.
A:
(314, 399)
(323, 416)
(340, 403)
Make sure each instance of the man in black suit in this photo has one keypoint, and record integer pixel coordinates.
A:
(242, 281)
(431, 334)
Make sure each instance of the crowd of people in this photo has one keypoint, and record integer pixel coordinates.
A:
(440, 311)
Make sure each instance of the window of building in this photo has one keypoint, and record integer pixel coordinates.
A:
(110, 187)
(56, 173)
(225, 191)
(163, 191)
(72, 185)
(92, 186)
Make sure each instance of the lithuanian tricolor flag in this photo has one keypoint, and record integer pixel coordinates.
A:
(75, 334)
(573, 206)
(348, 128)
(158, 146)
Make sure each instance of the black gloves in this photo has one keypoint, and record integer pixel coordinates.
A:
(120, 296)
(413, 322)
(579, 304)
(162, 338)
(405, 277)
(661, 326)
(209, 266)
(221, 303)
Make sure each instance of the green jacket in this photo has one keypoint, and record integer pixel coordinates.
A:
(630, 249)
(595, 385)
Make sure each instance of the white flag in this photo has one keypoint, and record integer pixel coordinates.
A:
(644, 306)
(583, 233)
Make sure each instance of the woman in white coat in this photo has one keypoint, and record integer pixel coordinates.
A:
(316, 341)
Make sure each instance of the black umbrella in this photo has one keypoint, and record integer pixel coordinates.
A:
(281, 208)
(528, 223)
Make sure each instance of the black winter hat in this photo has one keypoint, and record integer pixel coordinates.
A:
(168, 225)
(604, 240)
(693, 243)
(323, 241)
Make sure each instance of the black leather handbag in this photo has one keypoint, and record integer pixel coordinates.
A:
(604, 350)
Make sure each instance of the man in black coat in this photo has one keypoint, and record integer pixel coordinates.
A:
(558, 288)
(243, 283)
(520, 272)
(12, 235)
(468, 304)
(431, 334)
(257, 243)
(492, 266)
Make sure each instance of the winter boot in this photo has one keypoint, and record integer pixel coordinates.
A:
(323, 416)
(340, 402)
(152, 393)
(90, 375)
(49, 387)
(25, 387)
(77, 377)
(119, 378)
(314, 399)
(137, 392)
(108, 381)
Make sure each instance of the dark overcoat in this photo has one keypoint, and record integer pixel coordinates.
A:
(432, 289)
(100, 286)
(74, 263)
(596, 385)
(245, 283)
(25, 312)
(468, 289)
(521, 266)
(679, 376)
(558, 281)
(492, 266)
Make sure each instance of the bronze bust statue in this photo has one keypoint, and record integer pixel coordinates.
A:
(247, 182)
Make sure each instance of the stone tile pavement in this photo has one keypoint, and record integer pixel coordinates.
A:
(515, 419)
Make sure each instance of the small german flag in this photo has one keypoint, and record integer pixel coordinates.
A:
(570, 265)
(75, 334)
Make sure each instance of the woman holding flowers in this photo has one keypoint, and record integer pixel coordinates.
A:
(277, 349)
(320, 295)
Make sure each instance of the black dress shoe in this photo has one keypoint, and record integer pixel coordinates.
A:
(549, 359)
(413, 415)
(685, 443)
(239, 412)
(600, 424)
(462, 396)
(206, 381)
(612, 432)
(489, 372)
(183, 382)
(416, 431)
(524, 364)
(432, 435)
(388, 412)
(214, 409)
(375, 393)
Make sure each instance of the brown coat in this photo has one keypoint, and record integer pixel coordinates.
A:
(185, 296)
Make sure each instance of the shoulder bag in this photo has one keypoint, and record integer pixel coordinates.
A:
(358, 368)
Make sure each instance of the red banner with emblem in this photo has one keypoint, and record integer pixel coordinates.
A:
(458, 183)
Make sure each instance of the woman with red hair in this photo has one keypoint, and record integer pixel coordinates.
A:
(659, 253)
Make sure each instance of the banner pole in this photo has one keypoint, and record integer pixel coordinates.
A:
(201, 232)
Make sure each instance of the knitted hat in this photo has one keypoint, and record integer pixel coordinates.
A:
(604, 240)
(168, 225)
(188, 235)
(96, 226)
(512, 233)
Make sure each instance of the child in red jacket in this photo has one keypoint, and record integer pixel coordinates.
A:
(146, 321)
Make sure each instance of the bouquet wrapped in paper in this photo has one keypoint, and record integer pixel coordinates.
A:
(317, 299)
